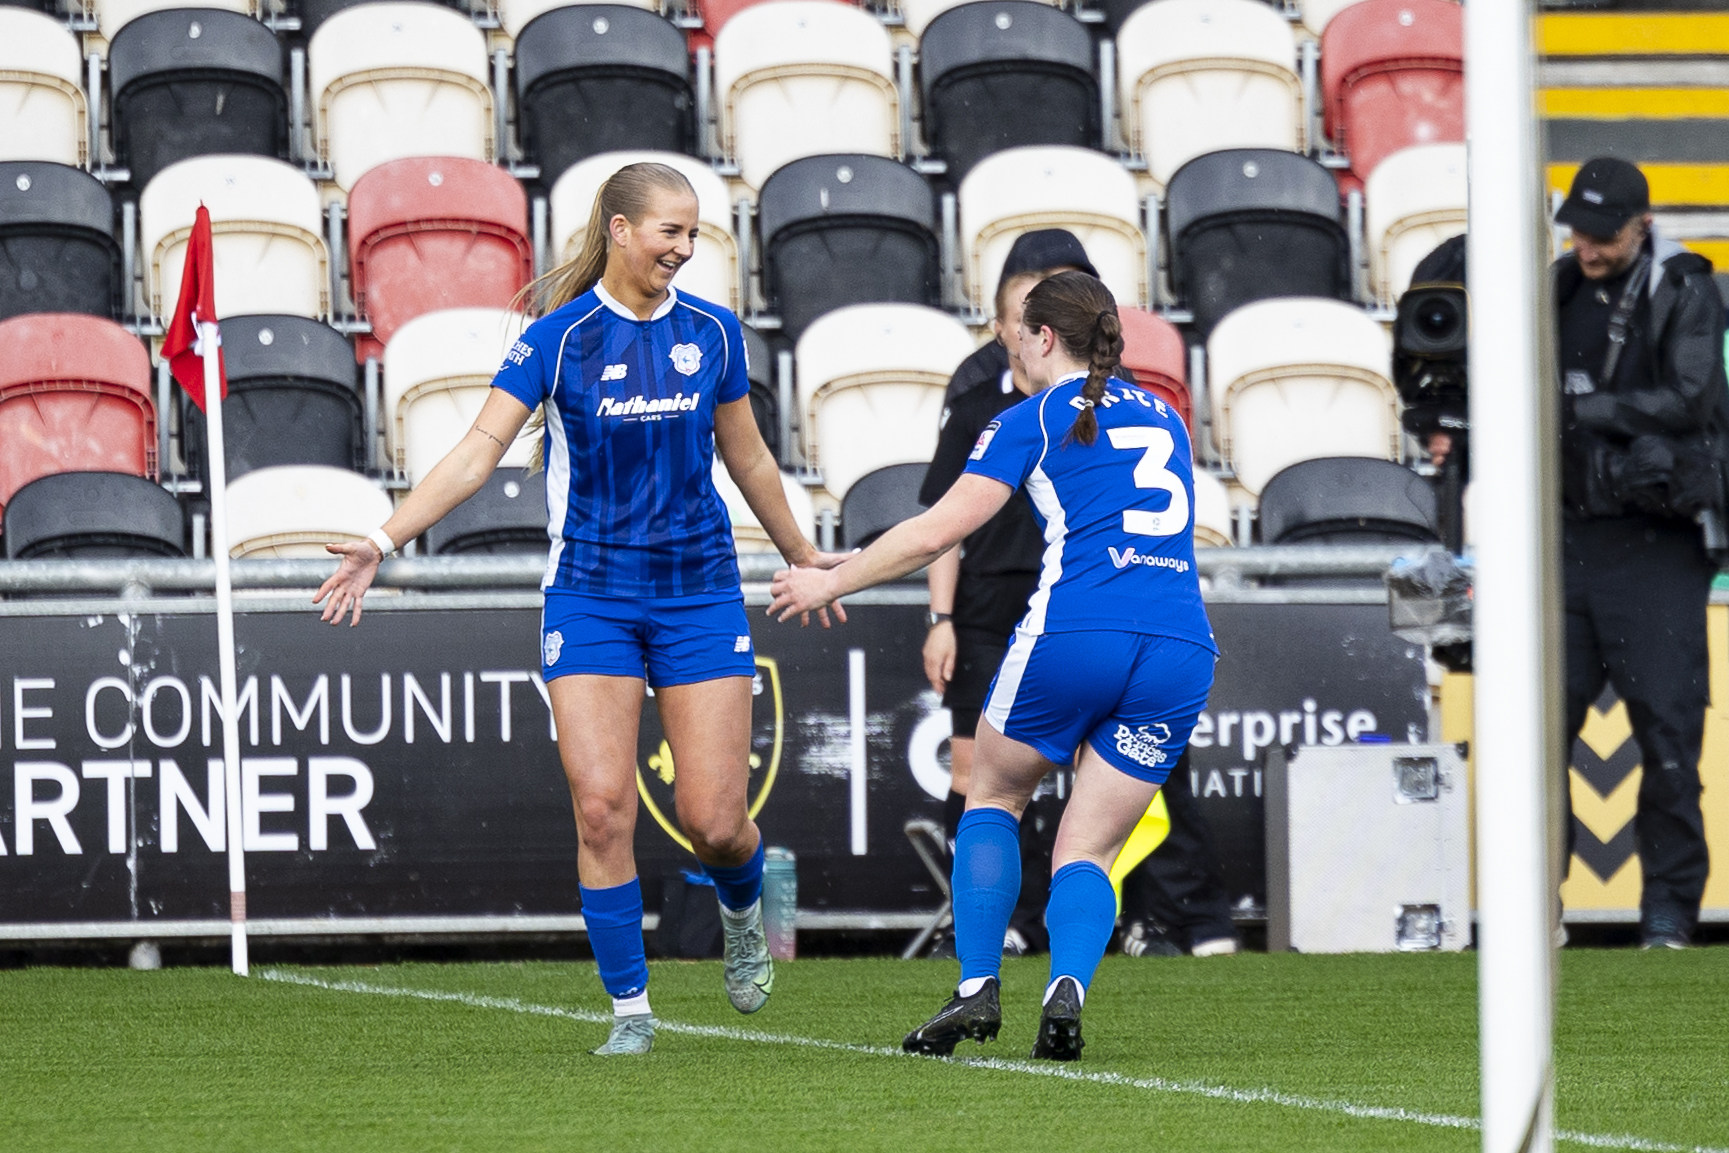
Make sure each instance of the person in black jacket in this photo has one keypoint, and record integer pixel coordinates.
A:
(1645, 420)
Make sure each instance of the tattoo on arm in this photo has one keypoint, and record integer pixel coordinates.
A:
(490, 437)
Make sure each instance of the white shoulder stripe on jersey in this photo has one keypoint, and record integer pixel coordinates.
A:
(725, 344)
(1043, 494)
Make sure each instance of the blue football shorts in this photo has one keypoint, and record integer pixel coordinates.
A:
(1134, 698)
(668, 640)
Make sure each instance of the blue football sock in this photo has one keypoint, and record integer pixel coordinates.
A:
(614, 920)
(1080, 915)
(987, 881)
(738, 885)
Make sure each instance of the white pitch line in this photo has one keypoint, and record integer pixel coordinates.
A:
(1027, 1068)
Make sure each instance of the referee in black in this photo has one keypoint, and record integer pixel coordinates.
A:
(1645, 418)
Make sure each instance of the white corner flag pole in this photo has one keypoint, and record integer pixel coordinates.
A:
(1514, 437)
(209, 341)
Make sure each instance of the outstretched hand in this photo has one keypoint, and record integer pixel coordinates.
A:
(349, 583)
(799, 591)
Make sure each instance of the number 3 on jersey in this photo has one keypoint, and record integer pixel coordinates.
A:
(1156, 444)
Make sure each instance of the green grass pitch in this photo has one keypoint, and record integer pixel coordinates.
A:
(1251, 1052)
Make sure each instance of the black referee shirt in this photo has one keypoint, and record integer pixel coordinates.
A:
(1000, 560)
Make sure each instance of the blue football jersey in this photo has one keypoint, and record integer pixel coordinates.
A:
(631, 505)
(1118, 514)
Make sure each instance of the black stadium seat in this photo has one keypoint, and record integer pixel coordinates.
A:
(846, 229)
(1348, 500)
(1002, 74)
(57, 247)
(1249, 224)
(507, 516)
(195, 82)
(93, 514)
(292, 398)
(50, 6)
(599, 78)
(764, 388)
(878, 501)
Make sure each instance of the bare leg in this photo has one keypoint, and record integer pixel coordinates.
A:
(597, 720)
(960, 764)
(708, 727)
(1004, 772)
(1103, 810)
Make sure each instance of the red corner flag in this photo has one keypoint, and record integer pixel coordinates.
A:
(183, 345)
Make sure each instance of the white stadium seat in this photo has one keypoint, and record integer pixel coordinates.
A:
(712, 272)
(438, 371)
(804, 78)
(1298, 378)
(1196, 76)
(919, 13)
(1212, 511)
(1054, 186)
(747, 532)
(42, 113)
(514, 15)
(389, 81)
(266, 226)
(1413, 200)
(113, 15)
(295, 510)
(1316, 14)
(870, 383)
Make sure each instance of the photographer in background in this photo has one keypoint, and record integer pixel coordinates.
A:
(1645, 424)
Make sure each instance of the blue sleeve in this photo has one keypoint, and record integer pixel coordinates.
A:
(524, 373)
(1011, 446)
(735, 372)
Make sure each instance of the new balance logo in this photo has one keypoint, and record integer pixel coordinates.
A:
(613, 372)
(642, 406)
(741, 645)
(1129, 556)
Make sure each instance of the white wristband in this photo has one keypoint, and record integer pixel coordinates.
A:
(384, 544)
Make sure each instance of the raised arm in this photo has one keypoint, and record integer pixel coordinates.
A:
(452, 480)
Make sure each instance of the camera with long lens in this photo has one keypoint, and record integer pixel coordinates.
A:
(1430, 338)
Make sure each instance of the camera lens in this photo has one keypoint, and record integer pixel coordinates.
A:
(1437, 318)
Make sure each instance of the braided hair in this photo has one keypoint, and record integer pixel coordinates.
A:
(1083, 314)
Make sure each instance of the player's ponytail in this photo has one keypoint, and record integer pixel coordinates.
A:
(1083, 314)
(627, 193)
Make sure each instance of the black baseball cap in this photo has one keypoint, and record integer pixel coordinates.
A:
(1046, 248)
(1606, 194)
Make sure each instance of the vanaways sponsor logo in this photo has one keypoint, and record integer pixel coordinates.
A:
(1129, 556)
(642, 406)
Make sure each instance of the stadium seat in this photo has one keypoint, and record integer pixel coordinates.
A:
(802, 78)
(1212, 512)
(596, 78)
(438, 371)
(1348, 501)
(1005, 73)
(849, 229)
(747, 532)
(292, 398)
(1415, 199)
(93, 515)
(392, 80)
(1155, 357)
(313, 13)
(1251, 223)
(1393, 75)
(764, 387)
(113, 15)
(57, 247)
(74, 397)
(295, 510)
(878, 501)
(426, 234)
(1297, 379)
(266, 225)
(1086, 192)
(507, 517)
(712, 272)
(195, 82)
(870, 381)
(917, 15)
(1196, 76)
(515, 15)
(1317, 14)
(42, 90)
(714, 15)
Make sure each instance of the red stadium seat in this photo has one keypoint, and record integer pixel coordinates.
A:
(74, 397)
(1393, 75)
(1157, 359)
(432, 233)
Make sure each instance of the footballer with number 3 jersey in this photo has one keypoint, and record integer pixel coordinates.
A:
(1114, 656)
(633, 388)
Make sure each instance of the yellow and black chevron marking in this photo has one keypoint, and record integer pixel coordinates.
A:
(1605, 786)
